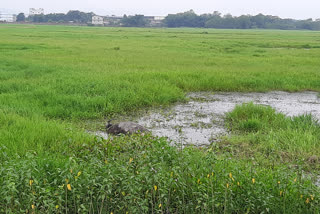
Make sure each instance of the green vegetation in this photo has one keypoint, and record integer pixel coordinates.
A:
(227, 21)
(261, 131)
(74, 16)
(145, 175)
(54, 79)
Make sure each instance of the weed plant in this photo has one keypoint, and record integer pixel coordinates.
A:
(147, 175)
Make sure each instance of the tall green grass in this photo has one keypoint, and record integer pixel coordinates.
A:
(55, 77)
(37, 135)
(275, 135)
(83, 72)
(80, 73)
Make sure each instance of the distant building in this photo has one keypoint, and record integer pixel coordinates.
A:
(14, 18)
(33, 11)
(155, 20)
(159, 18)
(113, 20)
(97, 20)
(8, 18)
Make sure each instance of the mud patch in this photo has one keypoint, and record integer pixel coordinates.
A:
(201, 120)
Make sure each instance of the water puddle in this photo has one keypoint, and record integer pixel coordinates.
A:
(201, 120)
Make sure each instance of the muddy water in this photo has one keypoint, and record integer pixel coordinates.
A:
(201, 120)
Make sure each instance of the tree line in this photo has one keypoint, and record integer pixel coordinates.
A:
(72, 16)
(188, 19)
(217, 20)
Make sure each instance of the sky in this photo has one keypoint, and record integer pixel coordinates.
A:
(296, 9)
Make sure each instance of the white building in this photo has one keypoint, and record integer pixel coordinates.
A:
(8, 18)
(97, 20)
(159, 18)
(155, 20)
(33, 11)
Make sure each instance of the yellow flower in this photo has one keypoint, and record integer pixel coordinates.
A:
(57, 206)
(208, 176)
(130, 160)
(212, 174)
(278, 182)
(253, 180)
(227, 185)
(295, 180)
(155, 188)
(311, 196)
(232, 179)
(123, 193)
(230, 175)
(307, 201)
(69, 186)
(238, 183)
(281, 193)
(79, 173)
(160, 205)
(30, 182)
(32, 206)
(111, 213)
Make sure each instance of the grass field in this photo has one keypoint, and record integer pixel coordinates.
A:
(54, 78)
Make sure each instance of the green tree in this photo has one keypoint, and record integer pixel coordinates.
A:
(134, 21)
(186, 19)
(37, 18)
(21, 17)
(243, 22)
(78, 16)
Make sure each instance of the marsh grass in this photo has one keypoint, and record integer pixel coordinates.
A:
(273, 134)
(75, 73)
(55, 77)
(35, 134)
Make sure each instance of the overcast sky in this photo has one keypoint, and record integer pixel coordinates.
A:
(298, 9)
